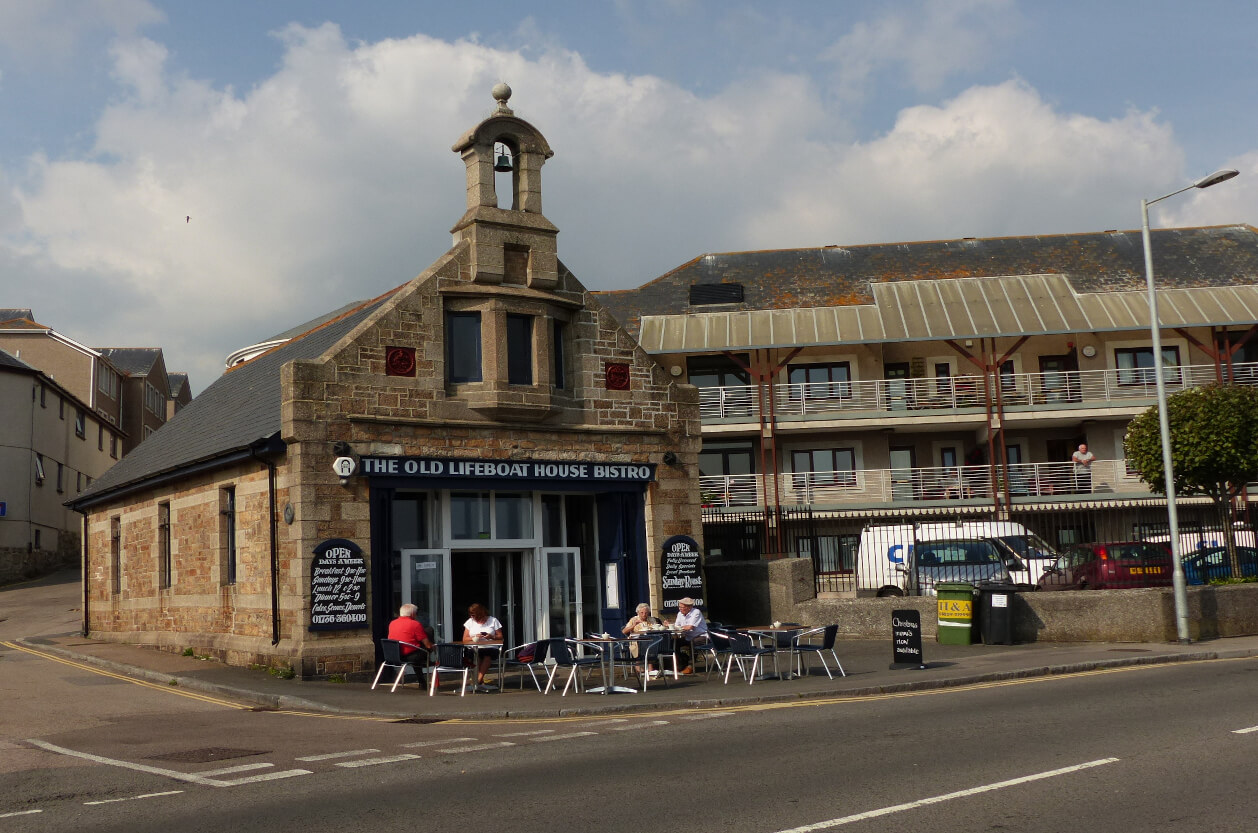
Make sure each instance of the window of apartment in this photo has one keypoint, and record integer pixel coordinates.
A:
(115, 554)
(107, 382)
(556, 352)
(824, 467)
(43, 397)
(520, 349)
(78, 482)
(949, 457)
(1135, 365)
(39, 469)
(227, 500)
(61, 473)
(727, 473)
(100, 437)
(943, 378)
(717, 372)
(38, 544)
(163, 543)
(821, 381)
(113, 446)
(1008, 381)
(463, 347)
(148, 431)
(154, 401)
(80, 424)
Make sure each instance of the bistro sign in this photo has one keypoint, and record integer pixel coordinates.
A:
(507, 469)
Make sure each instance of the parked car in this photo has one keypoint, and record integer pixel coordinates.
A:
(1122, 564)
(885, 551)
(1206, 565)
(972, 560)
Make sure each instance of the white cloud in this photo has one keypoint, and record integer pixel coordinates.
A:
(928, 42)
(333, 179)
(48, 31)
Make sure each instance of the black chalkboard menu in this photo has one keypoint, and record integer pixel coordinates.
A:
(338, 586)
(906, 637)
(682, 573)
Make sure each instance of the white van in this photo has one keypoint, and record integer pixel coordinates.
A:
(881, 561)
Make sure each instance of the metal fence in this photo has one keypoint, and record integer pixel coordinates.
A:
(856, 552)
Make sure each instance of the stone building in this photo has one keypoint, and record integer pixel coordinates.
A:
(485, 433)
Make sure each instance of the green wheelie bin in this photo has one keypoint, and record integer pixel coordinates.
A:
(956, 612)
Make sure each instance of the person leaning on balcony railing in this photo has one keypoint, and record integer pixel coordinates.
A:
(1082, 459)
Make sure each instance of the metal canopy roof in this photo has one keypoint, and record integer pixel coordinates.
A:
(956, 308)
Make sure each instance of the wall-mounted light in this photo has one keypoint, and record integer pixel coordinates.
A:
(670, 459)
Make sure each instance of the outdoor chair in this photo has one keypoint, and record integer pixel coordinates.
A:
(662, 649)
(800, 648)
(450, 660)
(416, 662)
(747, 655)
(564, 653)
(718, 645)
(530, 657)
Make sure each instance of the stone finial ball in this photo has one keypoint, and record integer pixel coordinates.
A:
(501, 92)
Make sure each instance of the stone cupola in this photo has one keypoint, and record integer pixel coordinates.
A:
(514, 245)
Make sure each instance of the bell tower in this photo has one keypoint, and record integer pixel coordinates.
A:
(514, 245)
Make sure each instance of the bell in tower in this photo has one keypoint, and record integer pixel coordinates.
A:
(514, 245)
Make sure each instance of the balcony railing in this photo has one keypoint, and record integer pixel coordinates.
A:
(1034, 482)
(1066, 389)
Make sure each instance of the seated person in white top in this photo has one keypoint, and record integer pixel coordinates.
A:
(481, 627)
(641, 622)
(693, 629)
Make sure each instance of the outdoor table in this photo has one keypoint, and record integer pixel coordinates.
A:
(476, 648)
(607, 654)
(773, 632)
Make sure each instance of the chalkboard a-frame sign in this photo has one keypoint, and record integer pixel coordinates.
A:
(906, 639)
(338, 586)
(682, 574)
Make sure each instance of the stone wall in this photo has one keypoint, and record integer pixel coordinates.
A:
(17, 564)
(1146, 615)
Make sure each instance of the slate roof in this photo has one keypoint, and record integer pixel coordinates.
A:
(12, 314)
(241, 408)
(14, 363)
(178, 381)
(836, 276)
(133, 361)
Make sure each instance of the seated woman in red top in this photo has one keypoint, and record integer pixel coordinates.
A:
(408, 630)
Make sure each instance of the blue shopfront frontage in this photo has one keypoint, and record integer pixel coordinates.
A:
(550, 547)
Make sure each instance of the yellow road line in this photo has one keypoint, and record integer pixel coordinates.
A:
(169, 689)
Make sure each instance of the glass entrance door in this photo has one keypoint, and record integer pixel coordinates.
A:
(561, 609)
(424, 585)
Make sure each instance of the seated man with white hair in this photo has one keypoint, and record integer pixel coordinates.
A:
(408, 630)
(693, 629)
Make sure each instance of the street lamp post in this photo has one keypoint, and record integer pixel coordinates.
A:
(1164, 425)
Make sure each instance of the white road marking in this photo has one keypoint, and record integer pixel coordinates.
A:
(925, 802)
(230, 769)
(133, 797)
(640, 725)
(1245, 731)
(20, 813)
(477, 748)
(190, 777)
(391, 759)
(266, 776)
(603, 722)
(704, 715)
(330, 755)
(525, 734)
(563, 737)
(420, 743)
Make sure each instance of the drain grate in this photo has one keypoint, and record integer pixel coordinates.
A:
(421, 720)
(206, 755)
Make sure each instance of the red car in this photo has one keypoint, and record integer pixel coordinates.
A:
(1118, 564)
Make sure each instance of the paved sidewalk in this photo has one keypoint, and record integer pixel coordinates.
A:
(867, 662)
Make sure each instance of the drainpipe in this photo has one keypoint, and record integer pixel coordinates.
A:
(271, 530)
(87, 596)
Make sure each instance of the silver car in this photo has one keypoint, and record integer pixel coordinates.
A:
(971, 560)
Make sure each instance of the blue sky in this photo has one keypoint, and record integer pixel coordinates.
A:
(309, 141)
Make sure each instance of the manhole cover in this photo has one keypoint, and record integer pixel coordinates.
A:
(207, 755)
(421, 720)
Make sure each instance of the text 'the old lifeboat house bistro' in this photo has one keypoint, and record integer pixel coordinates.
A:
(487, 432)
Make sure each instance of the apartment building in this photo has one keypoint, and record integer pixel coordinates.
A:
(146, 390)
(906, 379)
(52, 446)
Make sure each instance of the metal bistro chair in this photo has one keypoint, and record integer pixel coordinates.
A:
(450, 660)
(415, 661)
(530, 657)
(564, 653)
(800, 648)
(718, 645)
(743, 649)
